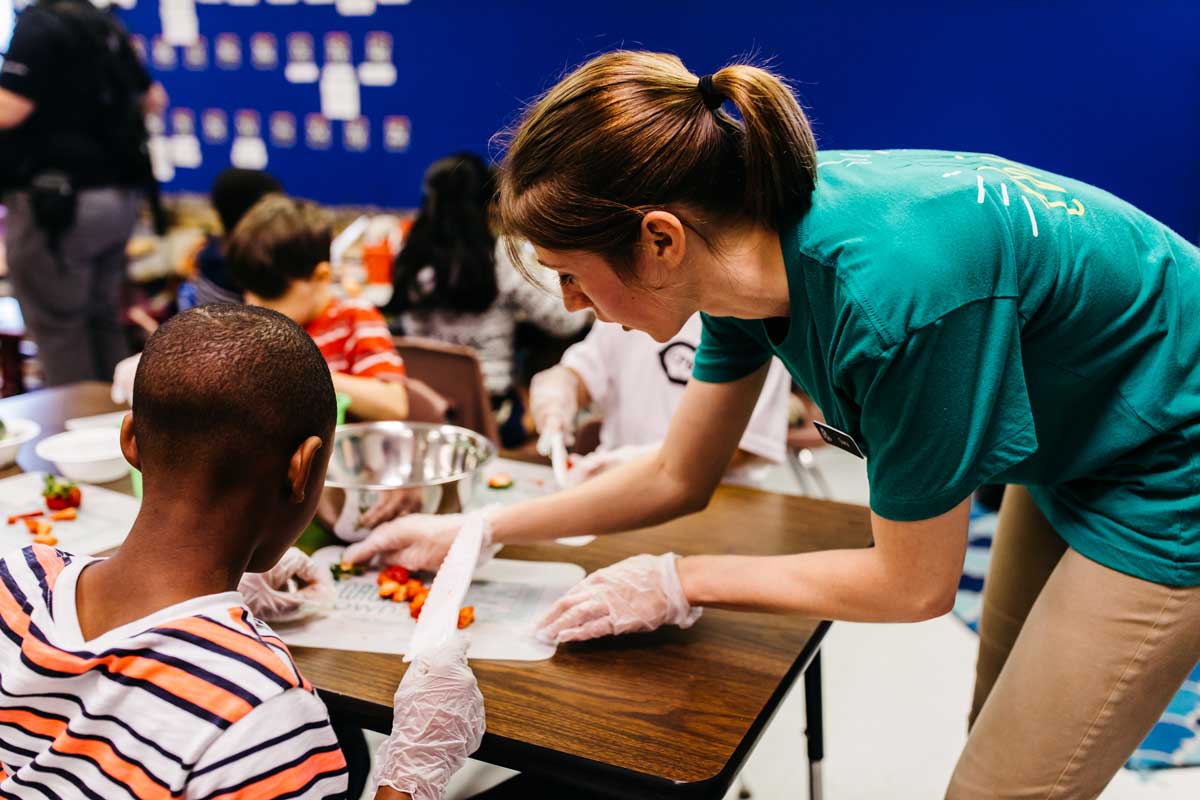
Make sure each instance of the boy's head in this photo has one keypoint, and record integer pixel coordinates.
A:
(235, 191)
(234, 405)
(279, 255)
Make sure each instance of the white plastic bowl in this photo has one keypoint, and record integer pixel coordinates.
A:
(92, 455)
(19, 431)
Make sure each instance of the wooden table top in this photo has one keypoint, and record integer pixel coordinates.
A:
(669, 713)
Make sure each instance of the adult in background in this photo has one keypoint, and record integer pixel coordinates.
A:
(72, 159)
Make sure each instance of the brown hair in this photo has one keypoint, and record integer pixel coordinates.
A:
(630, 132)
(280, 240)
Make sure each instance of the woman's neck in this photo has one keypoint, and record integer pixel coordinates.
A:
(746, 278)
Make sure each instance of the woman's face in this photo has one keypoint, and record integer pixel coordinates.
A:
(588, 281)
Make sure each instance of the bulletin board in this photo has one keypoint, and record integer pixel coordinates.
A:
(1106, 93)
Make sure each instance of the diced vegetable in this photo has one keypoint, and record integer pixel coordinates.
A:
(60, 494)
(65, 515)
(15, 518)
(344, 569)
(418, 602)
(501, 480)
(466, 615)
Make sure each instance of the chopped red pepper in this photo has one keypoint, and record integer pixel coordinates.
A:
(418, 602)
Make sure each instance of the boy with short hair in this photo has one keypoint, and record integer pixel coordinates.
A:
(279, 255)
(144, 673)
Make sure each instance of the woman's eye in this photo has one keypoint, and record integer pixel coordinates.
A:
(565, 280)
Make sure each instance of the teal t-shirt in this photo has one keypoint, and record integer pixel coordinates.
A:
(969, 320)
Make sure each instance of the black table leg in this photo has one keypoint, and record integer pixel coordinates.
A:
(814, 730)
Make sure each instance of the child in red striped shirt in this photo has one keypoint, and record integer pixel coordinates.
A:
(279, 255)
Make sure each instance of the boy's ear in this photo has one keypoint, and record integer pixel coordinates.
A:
(129, 446)
(300, 468)
(323, 272)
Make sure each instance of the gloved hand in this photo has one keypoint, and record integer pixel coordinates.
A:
(362, 511)
(122, 382)
(554, 404)
(586, 467)
(416, 542)
(641, 593)
(438, 721)
(267, 594)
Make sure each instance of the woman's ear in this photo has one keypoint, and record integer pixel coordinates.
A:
(663, 237)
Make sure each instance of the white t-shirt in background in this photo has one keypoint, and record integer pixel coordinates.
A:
(636, 384)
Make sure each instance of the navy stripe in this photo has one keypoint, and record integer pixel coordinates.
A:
(14, 588)
(95, 737)
(262, 746)
(21, 751)
(99, 718)
(213, 647)
(39, 572)
(22, 782)
(315, 780)
(68, 777)
(112, 778)
(137, 683)
(10, 634)
(295, 762)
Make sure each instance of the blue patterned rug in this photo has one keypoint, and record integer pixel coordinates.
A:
(1175, 739)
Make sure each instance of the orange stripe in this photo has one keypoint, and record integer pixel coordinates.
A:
(289, 780)
(220, 635)
(52, 563)
(12, 614)
(239, 619)
(32, 722)
(112, 764)
(176, 681)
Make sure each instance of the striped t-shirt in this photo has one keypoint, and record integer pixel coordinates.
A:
(198, 700)
(354, 338)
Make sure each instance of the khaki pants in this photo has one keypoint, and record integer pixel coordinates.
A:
(1076, 664)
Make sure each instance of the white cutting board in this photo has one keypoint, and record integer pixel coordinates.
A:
(510, 598)
(105, 516)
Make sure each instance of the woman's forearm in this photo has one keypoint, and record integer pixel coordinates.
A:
(850, 585)
(630, 496)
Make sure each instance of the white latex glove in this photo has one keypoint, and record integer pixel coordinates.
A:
(437, 722)
(123, 375)
(416, 542)
(268, 596)
(641, 593)
(586, 467)
(554, 404)
(363, 510)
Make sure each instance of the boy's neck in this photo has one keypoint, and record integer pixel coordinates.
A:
(178, 550)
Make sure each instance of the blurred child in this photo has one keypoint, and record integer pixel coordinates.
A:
(454, 282)
(279, 255)
(145, 674)
(635, 384)
(234, 192)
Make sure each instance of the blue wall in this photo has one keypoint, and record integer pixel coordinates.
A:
(1108, 91)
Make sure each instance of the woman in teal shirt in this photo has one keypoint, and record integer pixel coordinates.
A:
(960, 319)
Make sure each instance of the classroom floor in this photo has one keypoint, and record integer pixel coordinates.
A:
(896, 699)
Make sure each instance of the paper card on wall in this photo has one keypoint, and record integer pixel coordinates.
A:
(185, 147)
(356, 135)
(337, 48)
(378, 69)
(301, 59)
(195, 55)
(397, 132)
(264, 51)
(180, 25)
(318, 132)
(283, 129)
(249, 150)
(339, 92)
(356, 8)
(162, 54)
(161, 164)
(214, 126)
(228, 51)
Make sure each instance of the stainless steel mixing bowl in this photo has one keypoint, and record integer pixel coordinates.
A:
(443, 460)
